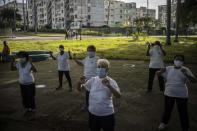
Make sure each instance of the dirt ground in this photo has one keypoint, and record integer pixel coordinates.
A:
(58, 110)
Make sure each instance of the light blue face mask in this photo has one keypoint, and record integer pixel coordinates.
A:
(101, 72)
(91, 54)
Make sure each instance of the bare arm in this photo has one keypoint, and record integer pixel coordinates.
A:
(33, 68)
(51, 54)
(77, 61)
(190, 77)
(160, 72)
(163, 51)
(80, 86)
(114, 91)
(148, 50)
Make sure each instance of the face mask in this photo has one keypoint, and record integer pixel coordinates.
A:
(91, 54)
(101, 72)
(61, 49)
(178, 63)
(22, 60)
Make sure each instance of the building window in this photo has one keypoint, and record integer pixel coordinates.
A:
(89, 17)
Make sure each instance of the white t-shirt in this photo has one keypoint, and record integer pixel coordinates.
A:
(63, 62)
(156, 58)
(100, 98)
(90, 65)
(25, 74)
(175, 85)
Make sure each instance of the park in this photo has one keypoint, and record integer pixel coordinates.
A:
(124, 47)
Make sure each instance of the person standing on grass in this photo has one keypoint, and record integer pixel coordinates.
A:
(156, 53)
(5, 52)
(26, 80)
(90, 65)
(63, 66)
(176, 91)
(101, 88)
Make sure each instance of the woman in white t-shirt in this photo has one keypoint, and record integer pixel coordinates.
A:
(156, 53)
(63, 66)
(90, 65)
(101, 88)
(26, 80)
(176, 90)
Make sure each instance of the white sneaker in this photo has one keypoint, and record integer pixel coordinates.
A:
(162, 126)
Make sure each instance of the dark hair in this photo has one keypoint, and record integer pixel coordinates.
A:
(180, 56)
(92, 47)
(157, 43)
(4, 42)
(61, 46)
(23, 54)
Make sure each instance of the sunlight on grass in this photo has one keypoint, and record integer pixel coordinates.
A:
(112, 48)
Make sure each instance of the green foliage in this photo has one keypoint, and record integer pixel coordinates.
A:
(7, 17)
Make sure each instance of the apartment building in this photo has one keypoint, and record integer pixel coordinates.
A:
(142, 12)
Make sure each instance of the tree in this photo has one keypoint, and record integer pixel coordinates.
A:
(7, 17)
(168, 32)
(177, 20)
(188, 13)
(24, 16)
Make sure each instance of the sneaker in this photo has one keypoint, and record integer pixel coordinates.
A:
(162, 126)
(59, 87)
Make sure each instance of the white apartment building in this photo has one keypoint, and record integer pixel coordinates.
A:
(115, 10)
(61, 14)
(129, 14)
(87, 13)
(142, 12)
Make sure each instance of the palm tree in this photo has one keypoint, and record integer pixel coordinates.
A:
(177, 20)
(168, 33)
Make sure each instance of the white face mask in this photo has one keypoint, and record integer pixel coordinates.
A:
(22, 60)
(178, 63)
(61, 49)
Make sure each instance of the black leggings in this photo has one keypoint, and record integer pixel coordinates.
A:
(182, 109)
(96, 123)
(67, 74)
(152, 72)
(28, 95)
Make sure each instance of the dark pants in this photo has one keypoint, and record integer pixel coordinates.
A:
(28, 95)
(87, 98)
(67, 74)
(182, 109)
(152, 72)
(96, 123)
(4, 57)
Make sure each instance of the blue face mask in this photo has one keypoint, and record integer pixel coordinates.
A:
(101, 72)
(91, 54)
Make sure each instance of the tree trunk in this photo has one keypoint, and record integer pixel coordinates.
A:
(168, 32)
(177, 21)
(27, 15)
(108, 15)
(24, 18)
(14, 15)
(35, 16)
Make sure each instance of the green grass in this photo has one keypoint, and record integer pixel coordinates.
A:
(113, 48)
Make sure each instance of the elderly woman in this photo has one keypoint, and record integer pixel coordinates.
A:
(101, 88)
(176, 90)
